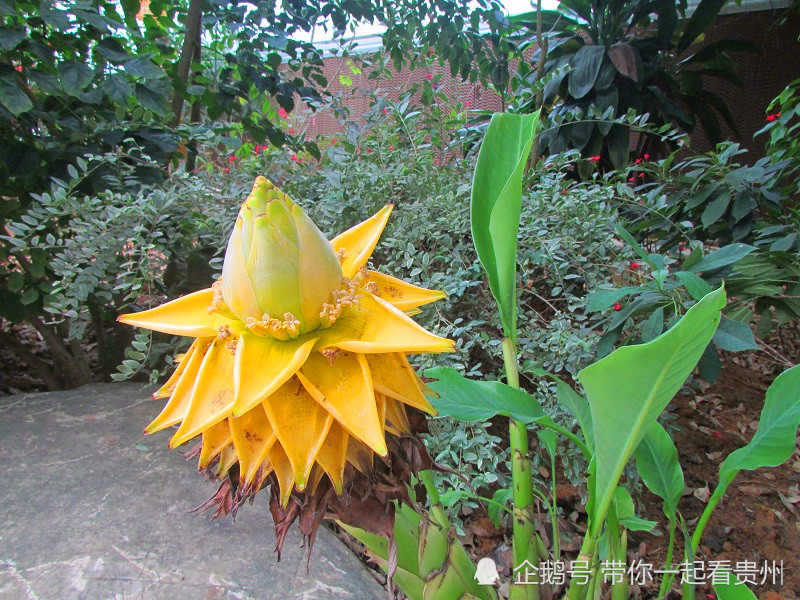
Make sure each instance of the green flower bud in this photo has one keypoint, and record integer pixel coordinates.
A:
(278, 263)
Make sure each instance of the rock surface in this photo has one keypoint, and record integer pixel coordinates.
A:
(92, 509)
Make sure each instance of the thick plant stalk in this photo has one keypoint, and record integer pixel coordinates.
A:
(578, 591)
(524, 536)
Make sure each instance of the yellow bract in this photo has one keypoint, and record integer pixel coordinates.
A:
(300, 394)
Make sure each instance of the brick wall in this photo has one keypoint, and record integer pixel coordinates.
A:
(764, 76)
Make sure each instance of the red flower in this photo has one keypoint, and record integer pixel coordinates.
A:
(637, 161)
(632, 179)
(390, 148)
(466, 104)
(594, 158)
(231, 159)
(18, 68)
(386, 111)
(282, 112)
(358, 148)
(291, 130)
(429, 76)
(226, 170)
(641, 175)
(436, 160)
(771, 117)
(563, 192)
(635, 266)
(333, 140)
(647, 157)
(617, 306)
(295, 159)
(369, 150)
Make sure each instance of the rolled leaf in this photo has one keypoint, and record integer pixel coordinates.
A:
(496, 204)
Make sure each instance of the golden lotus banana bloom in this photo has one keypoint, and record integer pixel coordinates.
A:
(299, 364)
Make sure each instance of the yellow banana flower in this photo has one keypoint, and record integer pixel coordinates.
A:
(299, 364)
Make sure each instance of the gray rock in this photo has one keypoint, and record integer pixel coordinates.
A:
(92, 509)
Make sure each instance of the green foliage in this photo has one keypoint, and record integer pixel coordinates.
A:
(783, 127)
(713, 197)
(81, 259)
(636, 55)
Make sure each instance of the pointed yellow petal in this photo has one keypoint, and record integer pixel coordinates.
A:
(396, 417)
(212, 396)
(380, 404)
(227, 458)
(394, 376)
(253, 436)
(358, 242)
(215, 438)
(374, 325)
(283, 472)
(301, 425)
(332, 456)
(188, 316)
(175, 410)
(263, 364)
(344, 389)
(166, 390)
(401, 294)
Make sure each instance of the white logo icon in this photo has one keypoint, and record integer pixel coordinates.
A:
(486, 573)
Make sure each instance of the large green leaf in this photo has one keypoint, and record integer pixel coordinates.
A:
(629, 388)
(657, 464)
(12, 97)
(585, 67)
(723, 257)
(774, 440)
(74, 76)
(734, 336)
(496, 205)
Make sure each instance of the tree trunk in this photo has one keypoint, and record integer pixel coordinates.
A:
(190, 39)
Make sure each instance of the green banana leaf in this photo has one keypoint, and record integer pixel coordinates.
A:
(496, 205)
(629, 388)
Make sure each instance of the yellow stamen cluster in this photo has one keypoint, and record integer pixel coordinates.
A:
(287, 329)
(341, 299)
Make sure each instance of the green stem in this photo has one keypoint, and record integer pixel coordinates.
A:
(554, 510)
(701, 524)
(524, 544)
(666, 583)
(570, 436)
